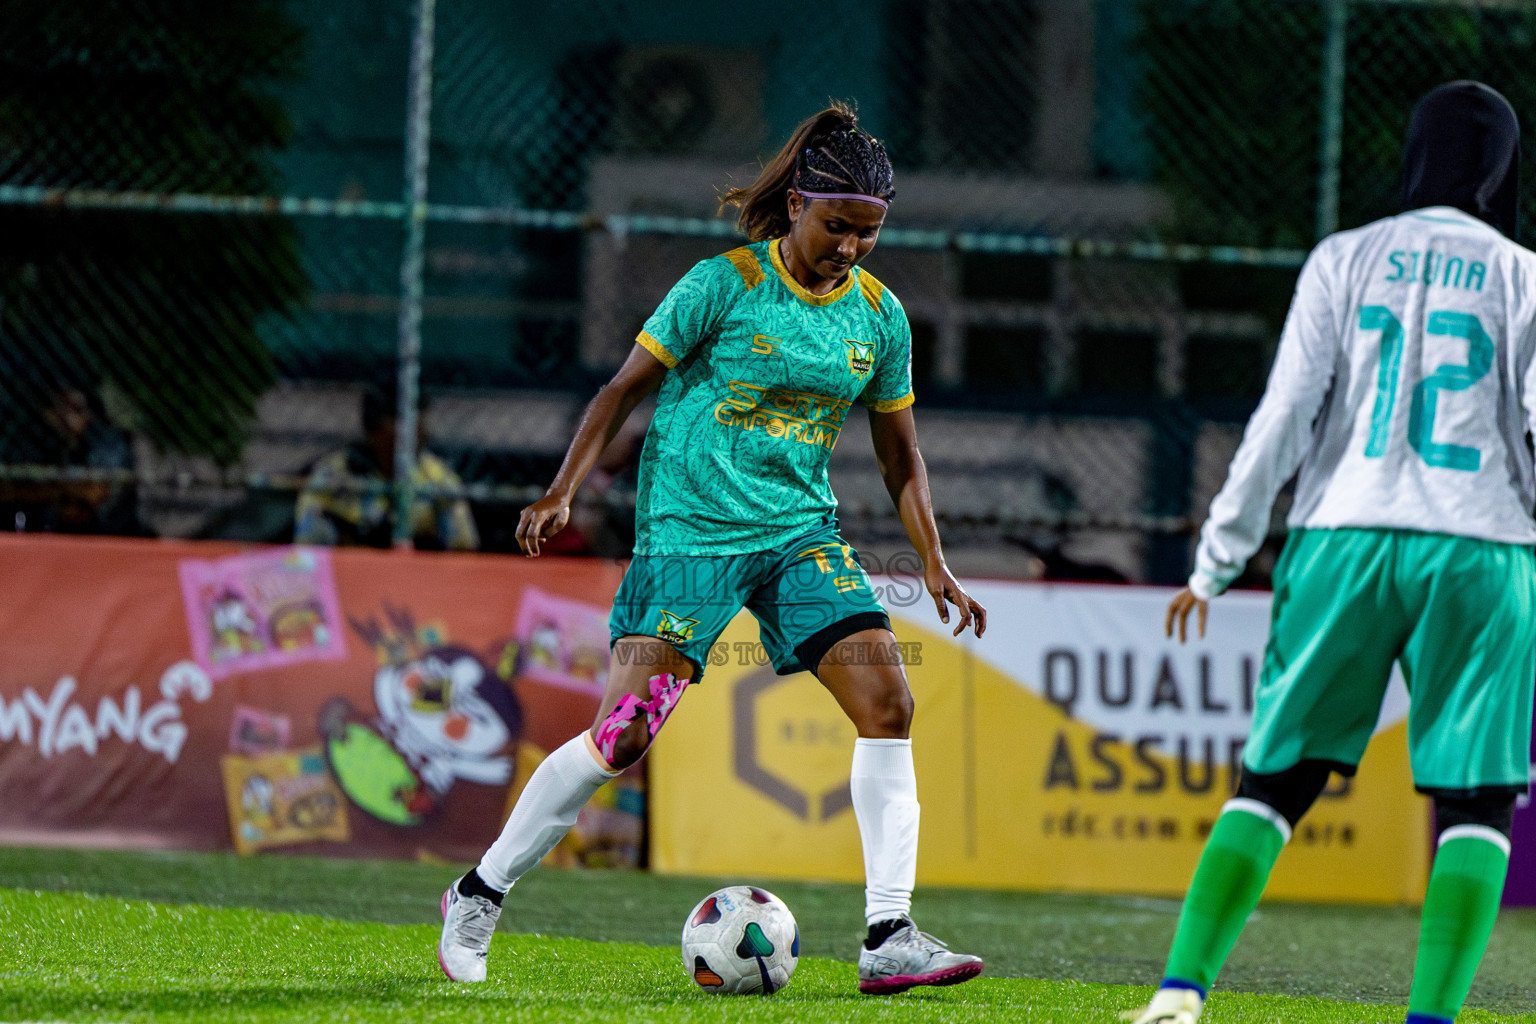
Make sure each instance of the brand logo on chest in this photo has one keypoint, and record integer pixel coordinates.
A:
(861, 357)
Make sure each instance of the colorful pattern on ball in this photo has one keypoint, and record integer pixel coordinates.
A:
(740, 939)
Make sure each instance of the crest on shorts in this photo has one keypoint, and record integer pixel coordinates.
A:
(861, 357)
(675, 629)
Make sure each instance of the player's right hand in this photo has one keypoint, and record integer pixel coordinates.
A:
(1179, 608)
(541, 520)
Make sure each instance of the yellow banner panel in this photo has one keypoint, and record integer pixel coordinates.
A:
(750, 779)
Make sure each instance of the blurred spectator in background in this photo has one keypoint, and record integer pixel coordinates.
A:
(348, 499)
(1057, 564)
(71, 431)
(1051, 547)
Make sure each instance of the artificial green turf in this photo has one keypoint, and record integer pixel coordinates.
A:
(76, 957)
(1339, 953)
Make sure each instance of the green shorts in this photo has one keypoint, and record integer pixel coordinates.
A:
(807, 593)
(1454, 612)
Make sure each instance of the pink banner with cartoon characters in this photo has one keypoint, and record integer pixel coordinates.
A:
(362, 703)
(262, 609)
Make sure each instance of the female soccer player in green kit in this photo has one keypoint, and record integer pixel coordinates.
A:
(1404, 389)
(759, 354)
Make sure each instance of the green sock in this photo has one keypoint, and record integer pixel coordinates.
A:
(1233, 871)
(1459, 909)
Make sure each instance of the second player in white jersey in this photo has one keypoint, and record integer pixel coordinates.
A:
(1403, 388)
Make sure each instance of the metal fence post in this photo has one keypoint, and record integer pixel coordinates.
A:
(1331, 144)
(418, 139)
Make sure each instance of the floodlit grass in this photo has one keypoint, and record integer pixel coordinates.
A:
(108, 937)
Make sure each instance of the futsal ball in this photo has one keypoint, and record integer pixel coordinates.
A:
(741, 939)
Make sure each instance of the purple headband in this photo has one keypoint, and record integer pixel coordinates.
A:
(844, 195)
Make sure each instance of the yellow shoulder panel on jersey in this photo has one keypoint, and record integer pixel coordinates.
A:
(745, 261)
(873, 290)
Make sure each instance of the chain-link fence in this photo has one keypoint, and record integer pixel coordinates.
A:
(227, 229)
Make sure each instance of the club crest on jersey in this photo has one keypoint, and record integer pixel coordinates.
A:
(861, 357)
(675, 629)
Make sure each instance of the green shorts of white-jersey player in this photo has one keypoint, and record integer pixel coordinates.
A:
(1457, 614)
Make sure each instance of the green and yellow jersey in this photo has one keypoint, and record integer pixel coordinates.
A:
(761, 377)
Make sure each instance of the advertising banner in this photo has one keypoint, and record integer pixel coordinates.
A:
(1073, 747)
(262, 609)
(362, 703)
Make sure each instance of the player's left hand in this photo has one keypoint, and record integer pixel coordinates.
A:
(1179, 608)
(946, 590)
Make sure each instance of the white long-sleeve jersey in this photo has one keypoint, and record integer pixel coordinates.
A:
(1404, 389)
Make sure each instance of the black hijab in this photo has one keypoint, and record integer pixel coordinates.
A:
(1463, 150)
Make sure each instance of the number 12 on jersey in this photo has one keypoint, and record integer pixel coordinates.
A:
(1447, 377)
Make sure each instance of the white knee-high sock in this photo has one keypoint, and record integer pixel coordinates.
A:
(884, 787)
(545, 811)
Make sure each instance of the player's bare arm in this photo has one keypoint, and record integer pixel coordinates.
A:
(600, 423)
(906, 480)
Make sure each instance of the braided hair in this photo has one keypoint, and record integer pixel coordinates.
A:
(829, 155)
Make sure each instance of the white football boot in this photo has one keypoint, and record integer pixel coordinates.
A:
(468, 923)
(908, 958)
(1169, 1006)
